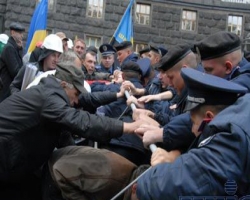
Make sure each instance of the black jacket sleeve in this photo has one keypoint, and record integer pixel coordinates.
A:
(16, 84)
(90, 101)
(177, 134)
(11, 58)
(79, 122)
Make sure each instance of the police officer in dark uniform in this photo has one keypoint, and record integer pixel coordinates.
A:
(125, 52)
(221, 55)
(130, 147)
(221, 125)
(176, 134)
(156, 53)
(11, 58)
(107, 64)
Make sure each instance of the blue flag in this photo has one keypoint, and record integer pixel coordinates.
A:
(38, 24)
(124, 31)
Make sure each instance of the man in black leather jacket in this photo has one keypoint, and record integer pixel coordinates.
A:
(32, 120)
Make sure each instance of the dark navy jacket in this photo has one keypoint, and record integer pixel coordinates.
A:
(173, 132)
(116, 108)
(221, 155)
(132, 57)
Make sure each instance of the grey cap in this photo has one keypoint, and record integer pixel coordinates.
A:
(16, 26)
(71, 74)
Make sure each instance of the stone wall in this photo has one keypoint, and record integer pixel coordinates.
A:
(69, 16)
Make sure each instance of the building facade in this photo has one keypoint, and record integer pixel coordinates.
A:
(162, 22)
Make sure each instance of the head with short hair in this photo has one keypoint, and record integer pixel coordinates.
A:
(156, 53)
(130, 193)
(170, 65)
(70, 57)
(89, 61)
(123, 49)
(79, 46)
(208, 95)
(220, 53)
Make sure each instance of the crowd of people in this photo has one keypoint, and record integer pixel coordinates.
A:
(68, 131)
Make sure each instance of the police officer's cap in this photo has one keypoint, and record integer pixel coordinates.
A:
(160, 50)
(218, 45)
(71, 74)
(123, 45)
(173, 56)
(16, 26)
(106, 49)
(145, 50)
(131, 66)
(144, 64)
(206, 89)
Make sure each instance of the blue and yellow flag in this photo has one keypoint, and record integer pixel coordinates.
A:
(124, 31)
(38, 24)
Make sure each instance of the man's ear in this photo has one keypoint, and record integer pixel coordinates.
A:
(209, 114)
(229, 67)
(134, 187)
(184, 66)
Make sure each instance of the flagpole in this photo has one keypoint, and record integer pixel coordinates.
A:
(124, 30)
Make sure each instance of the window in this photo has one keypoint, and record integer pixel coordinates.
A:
(51, 4)
(93, 41)
(139, 46)
(234, 24)
(95, 8)
(189, 20)
(142, 14)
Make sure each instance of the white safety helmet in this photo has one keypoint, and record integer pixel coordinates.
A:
(53, 42)
(4, 38)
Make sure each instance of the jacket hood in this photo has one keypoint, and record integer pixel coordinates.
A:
(237, 114)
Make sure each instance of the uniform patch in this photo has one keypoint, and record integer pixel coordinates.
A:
(206, 141)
